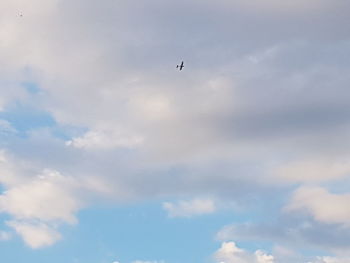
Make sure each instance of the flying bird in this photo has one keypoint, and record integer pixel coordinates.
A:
(181, 65)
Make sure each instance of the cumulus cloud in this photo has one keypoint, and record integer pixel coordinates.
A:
(39, 203)
(49, 197)
(230, 253)
(35, 235)
(190, 208)
(262, 257)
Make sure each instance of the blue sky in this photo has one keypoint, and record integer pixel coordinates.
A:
(109, 154)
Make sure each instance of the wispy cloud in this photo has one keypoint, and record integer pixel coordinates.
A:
(4, 236)
(190, 208)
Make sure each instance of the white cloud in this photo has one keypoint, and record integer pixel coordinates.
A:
(190, 208)
(35, 235)
(105, 139)
(321, 204)
(49, 197)
(38, 204)
(230, 253)
(47, 200)
(262, 257)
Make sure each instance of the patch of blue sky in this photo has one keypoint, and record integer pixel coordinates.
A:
(26, 118)
(340, 186)
(132, 232)
(145, 232)
(128, 233)
(2, 189)
(31, 87)
(66, 132)
(4, 228)
(15, 251)
(3, 218)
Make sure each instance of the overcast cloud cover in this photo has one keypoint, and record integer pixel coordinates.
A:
(93, 111)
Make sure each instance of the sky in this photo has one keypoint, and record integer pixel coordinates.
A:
(110, 154)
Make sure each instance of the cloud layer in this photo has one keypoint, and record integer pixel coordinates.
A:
(258, 117)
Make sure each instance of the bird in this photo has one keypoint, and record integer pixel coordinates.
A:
(181, 65)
